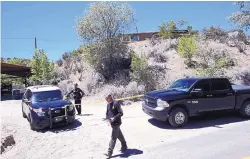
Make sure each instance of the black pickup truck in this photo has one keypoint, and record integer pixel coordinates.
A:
(194, 96)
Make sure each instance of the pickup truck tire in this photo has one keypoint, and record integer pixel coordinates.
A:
(245, 109)
(178, 117)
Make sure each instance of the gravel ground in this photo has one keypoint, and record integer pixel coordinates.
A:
(89, 136)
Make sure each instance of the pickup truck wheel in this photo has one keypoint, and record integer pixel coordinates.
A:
(245, 109)
(178, 117)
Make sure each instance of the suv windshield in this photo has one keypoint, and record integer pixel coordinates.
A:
(47, 96)
(182, 85)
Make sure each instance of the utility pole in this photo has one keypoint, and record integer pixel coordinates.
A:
(35, 44)
(137, 33)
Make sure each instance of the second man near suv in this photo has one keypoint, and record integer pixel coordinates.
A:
(77, 95)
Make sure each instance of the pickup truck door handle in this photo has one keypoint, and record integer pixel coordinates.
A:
(229, 93)
(209, 95)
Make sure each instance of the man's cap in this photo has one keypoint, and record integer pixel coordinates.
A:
(109, 96)
(75, 84)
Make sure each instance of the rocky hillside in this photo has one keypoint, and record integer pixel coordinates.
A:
(164, 63)
(176, 65)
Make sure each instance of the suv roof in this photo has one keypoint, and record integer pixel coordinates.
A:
(42, 88)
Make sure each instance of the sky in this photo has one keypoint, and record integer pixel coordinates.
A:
(53, 23)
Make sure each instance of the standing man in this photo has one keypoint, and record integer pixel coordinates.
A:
(77, 95)
(113, 115)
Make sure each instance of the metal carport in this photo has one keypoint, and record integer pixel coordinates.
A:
(16, 70)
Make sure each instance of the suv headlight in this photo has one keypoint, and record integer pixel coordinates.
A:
(39, 111)
(161, 103)
(71, 107)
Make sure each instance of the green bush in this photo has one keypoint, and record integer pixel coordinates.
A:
(212, 63)
(139, 68)
(187, 47)
(42, 69)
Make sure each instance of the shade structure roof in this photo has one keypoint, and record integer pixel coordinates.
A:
(15, 70)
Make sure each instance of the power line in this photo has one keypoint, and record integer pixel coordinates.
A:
(38, 39)
(17, 38)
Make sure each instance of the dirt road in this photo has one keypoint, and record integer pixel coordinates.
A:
(88, 137)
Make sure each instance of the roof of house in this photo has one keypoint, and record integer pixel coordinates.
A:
(43, 88)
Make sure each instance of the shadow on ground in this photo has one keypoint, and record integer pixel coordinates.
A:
(85, 115)
(63, 128)
(6, 97)
(129, 152)
(209, 120)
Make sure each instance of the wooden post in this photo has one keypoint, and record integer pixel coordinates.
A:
(25, 81)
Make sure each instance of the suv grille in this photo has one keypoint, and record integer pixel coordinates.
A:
(57, 112)
(60, 111)
(150, 101)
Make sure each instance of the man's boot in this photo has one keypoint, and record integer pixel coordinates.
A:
(124, 148)
(108, 154)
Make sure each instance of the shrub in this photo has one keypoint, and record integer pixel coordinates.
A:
(59, 62)
(187, 48)
(166, 29)
(212, 62)
(237, 38)
(215, 34)
(66, 55)
(244, 77)
(139, 67)
(160, 56)
(132, 89)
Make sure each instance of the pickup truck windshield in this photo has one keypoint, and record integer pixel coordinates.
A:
(182, 85)
(47, 96)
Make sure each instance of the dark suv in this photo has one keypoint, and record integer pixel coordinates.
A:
(44, 107)
(194, 96)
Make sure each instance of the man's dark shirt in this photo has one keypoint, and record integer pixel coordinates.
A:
(114, 111)
(77, 93)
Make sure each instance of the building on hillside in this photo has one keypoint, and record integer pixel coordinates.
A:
(148, 35)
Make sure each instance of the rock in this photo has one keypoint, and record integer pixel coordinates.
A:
(7, 141)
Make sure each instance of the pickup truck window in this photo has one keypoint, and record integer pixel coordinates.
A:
(203, 85)
(182, 85)
(220, 84)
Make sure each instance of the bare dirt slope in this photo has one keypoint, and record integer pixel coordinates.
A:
(88, 137)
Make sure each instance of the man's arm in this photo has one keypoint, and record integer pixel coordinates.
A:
(69, 92)
(119, 109)
(82, 93)
(107, 113)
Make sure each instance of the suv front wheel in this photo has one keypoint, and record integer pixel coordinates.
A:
(31, 123)
(23, 113)
(178, 117)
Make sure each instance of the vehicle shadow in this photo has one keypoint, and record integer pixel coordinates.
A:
(129, 152)
(209, 120)
(62, 128)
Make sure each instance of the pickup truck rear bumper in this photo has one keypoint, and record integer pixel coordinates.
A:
(159, 113)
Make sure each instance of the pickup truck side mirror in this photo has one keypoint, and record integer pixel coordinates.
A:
(196, 92)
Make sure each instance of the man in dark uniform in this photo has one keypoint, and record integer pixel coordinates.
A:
(113, 115)
(77, 95)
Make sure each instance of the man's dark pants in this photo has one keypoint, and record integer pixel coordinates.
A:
(78, 106)
(116, 133)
